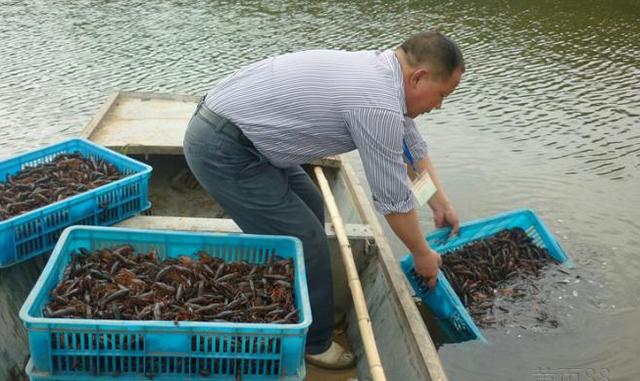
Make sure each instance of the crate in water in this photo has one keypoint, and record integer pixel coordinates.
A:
(82, 349)
(450, 314)
(35, 232)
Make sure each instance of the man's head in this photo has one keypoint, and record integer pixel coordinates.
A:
(432, 66)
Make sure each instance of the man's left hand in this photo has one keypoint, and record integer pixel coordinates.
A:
(444, 214)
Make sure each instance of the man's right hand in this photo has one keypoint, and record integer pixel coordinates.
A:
(407, 228)
(427, 266)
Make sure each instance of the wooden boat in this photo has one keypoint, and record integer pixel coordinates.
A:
(150, 127)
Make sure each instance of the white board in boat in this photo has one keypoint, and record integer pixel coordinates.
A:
(142, 122)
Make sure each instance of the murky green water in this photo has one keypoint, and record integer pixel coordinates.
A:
(547, 117)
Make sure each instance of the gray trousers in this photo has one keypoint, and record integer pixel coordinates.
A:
(263, 199)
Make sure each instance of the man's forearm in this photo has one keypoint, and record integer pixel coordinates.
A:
(407, 228)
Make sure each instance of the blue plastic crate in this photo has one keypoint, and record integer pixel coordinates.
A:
(82, 349)
(36, 232)
(451, 315)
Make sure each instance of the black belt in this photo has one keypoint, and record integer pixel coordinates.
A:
(222, 124)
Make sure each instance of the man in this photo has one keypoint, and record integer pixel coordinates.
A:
(248, 137)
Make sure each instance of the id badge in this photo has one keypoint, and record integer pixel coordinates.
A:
(423, 188)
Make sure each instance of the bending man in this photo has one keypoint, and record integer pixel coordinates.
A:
(250, 134)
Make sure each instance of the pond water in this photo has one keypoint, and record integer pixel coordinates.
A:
(547, 117)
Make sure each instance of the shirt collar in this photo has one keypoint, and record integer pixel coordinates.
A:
(396, 71)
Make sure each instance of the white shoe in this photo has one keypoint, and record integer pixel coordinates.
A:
(336, 357)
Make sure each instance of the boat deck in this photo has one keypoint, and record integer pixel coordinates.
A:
(124, 123)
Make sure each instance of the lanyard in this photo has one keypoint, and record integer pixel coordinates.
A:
(407, 153)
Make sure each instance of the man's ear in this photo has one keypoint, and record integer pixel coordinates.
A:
(421, 74)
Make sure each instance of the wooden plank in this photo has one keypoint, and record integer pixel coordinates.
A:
(224, 225)
(353, 280)
(144, 125)
(396, 315)
(146, 95)
(99, 115)
(329, 161)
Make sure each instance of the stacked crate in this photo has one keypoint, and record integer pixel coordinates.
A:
(36, 232)
(81, 349)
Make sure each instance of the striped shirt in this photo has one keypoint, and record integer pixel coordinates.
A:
(303, 106)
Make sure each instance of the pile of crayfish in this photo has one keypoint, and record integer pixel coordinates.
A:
(484, 269)
(118, 283)
(64, 176)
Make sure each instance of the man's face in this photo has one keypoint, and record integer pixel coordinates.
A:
(423, 94)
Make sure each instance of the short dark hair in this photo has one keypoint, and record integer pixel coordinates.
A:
(434, 50)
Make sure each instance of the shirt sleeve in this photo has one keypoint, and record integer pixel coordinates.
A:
(378, 133)
(415, 141)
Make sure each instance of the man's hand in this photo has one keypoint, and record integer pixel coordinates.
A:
(407, 228)
(445, 215)
(427, 266)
